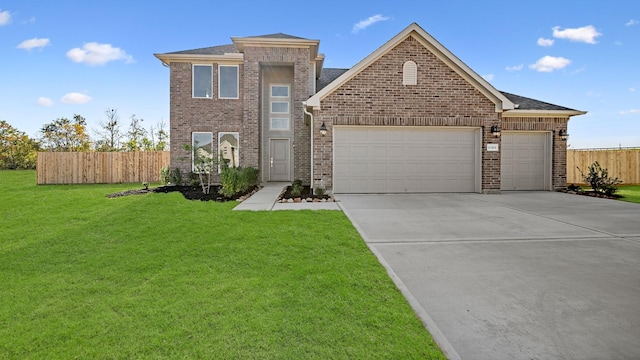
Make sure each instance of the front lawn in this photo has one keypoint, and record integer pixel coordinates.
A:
(629, 193)
(158, 276)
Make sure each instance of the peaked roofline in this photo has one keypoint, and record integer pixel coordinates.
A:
(501, 102)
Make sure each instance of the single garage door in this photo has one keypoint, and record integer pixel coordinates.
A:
(525, 161)
(405, 159)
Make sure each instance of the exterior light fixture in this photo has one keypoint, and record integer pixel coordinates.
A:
(495, 130)
(323, 129)
(563, 134)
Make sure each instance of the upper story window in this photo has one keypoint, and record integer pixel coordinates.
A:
(202, 81)
(228, 81)
(409, 73)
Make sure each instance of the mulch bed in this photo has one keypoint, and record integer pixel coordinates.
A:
(593, 194)
(190, 193)
(305, 196)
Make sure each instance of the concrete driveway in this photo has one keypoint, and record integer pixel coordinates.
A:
(523, 275)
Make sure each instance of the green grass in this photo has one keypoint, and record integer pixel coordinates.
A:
(158, 276)
(630, 193)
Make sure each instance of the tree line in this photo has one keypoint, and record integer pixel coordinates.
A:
(19, 151)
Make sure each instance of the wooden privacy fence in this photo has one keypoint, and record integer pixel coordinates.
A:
(100, 167)
(623, 164)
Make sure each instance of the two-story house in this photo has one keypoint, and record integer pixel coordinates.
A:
(409, 117)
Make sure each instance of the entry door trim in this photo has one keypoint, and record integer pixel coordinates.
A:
(272, 160)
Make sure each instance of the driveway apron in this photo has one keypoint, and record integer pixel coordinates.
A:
(522, 275)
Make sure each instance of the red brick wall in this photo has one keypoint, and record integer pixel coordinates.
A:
(376, 96)
(211, 115)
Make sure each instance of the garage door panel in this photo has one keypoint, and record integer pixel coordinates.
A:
(400, 160)
(524, 161)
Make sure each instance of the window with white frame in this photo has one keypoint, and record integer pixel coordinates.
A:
(279, 124)
(228, 82)
(280, 91)
(280, 107)
(228, 148)
(279, 111)
(202, 81)
(409, 73)
(201, 151)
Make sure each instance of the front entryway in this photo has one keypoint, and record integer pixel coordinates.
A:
(279, 160)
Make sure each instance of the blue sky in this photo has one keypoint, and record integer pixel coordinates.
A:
(61, 58)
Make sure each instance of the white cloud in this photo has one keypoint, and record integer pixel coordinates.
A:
(550, 63)
(618, 43)
(515, 68)
(75, 98)
(5, 17)
(632, 22)
(586, 34)
(545, 42)
(632, 111)
(33, 43)
(632, 89)
(43, 101)
(488, 77)
(368, 22)
(93, 53)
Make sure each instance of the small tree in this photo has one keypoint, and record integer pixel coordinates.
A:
(65, 135)
(17, 150)
(136, 135)
(600, 181)
(204, 164)
(109, 135)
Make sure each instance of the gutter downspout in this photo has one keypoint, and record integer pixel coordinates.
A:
(304, 109)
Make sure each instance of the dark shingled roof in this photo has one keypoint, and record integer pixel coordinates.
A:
(524, 103)
(327, 76)
(213, 50)
(278, 36)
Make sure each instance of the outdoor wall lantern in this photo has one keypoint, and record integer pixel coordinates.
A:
(495, 130)
(323, 129)
(563, 134)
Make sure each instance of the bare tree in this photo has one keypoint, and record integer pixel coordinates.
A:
(109, 135)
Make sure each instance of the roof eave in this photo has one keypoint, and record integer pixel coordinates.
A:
(226, 58)
(542, 113)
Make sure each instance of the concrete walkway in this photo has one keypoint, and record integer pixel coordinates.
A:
(265, 200)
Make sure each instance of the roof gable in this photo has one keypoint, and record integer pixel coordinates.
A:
(501, 102)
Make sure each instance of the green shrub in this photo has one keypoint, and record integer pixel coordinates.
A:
(296, 188)
(165, 175)
(175, 177)
(234, 181)
(194, 180)
(600, 181)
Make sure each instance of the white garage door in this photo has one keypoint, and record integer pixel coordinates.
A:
(405, 159)
(525, 161)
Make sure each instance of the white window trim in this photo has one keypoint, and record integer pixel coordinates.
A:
(279, 112)
(279, 118)
(280, 85)
(193, 81)
(220, 135)
(237, 81)
(409, 73)
(193, 148)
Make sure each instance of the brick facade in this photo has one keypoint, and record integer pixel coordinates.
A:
(376, 97)
(209, 115)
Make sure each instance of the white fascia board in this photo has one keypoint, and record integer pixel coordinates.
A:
(229, 58)
(542, 113)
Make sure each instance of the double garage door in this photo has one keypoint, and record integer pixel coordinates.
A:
(406, 159)
(431, 159)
